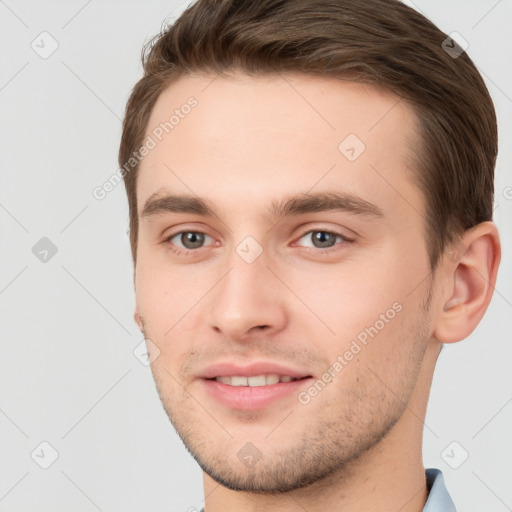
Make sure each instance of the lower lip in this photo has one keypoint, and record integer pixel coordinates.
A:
(252, 398)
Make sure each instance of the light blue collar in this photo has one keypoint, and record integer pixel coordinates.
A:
(438, 498)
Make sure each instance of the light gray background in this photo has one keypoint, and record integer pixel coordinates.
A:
(68, 373)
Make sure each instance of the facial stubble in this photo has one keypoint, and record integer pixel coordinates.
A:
(333, 435)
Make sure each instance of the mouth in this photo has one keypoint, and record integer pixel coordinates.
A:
(253, 387)
(254, 381)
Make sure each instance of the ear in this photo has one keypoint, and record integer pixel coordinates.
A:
(469, 276)
(136, 315)
(138, 319)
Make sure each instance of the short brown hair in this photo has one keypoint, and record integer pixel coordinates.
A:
(381, 42)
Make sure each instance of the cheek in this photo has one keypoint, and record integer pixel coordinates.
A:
(162, 294)
(165, 290)
(348, 299)
(368, 312)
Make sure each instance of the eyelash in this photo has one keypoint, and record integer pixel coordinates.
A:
(186, 252)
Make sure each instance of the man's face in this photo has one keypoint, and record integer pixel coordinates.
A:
(331, 294)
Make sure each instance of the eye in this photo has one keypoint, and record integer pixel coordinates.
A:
(186, 241)
(322, 239)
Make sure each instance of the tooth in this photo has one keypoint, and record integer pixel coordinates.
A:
(272, 379)
(258, 380)
(254, 381)
(238, 381)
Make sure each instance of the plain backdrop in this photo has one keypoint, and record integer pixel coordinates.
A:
(69, 376)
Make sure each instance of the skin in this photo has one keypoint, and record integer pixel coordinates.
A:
(356, 445)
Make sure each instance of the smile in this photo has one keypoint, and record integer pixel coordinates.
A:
(255, 380)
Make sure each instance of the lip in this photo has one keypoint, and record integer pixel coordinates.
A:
(247, 397)
(250, 370)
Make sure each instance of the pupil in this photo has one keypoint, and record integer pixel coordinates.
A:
(324, 239)
(192, 240)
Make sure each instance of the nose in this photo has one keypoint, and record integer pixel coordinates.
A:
(248, 300)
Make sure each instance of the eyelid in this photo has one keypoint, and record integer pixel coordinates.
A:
(336, 229)
(316, 250)
(344, 239)
(344, 232)
(188, 231)
(185, 229)
(167, 239)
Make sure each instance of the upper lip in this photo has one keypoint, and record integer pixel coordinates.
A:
(229, 369)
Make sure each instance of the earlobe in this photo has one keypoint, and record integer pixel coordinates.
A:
(138, 319)
(471, 275)
(136, 315)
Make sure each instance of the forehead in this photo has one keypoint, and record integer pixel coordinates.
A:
(251, 137)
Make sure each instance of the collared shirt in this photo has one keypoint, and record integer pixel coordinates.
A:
(438, 498)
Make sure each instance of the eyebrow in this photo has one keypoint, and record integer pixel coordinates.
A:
(294, 205)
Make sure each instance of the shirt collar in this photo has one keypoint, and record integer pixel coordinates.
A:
(438, 498)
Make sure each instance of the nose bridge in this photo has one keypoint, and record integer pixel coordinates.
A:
(248, 296)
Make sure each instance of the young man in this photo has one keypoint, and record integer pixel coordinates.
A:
(310, 188)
